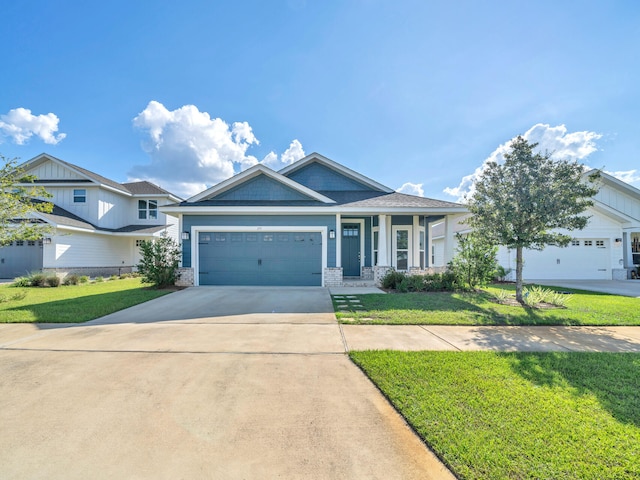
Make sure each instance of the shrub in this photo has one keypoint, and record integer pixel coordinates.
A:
(83, 279)
(475, 262)
(392, 279)
(159, 263)
(53, 281)
(71, 279)
(535, 295)
(98, 279)
(113, 277)
(38, 279)
(21, 282)
(501, 274)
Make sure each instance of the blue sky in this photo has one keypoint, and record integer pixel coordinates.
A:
(186, 93)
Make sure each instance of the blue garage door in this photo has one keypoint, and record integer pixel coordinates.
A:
(20, 258)
(260, 258)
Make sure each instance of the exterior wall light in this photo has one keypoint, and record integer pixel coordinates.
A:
(332, 234)
(46, 241)
(185, 235)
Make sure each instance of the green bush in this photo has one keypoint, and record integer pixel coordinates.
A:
(38, 279)
(392, 279)
(160, 260)
(535, 295)
(71, 279)
(435, 282)
(21, 282)
(98, 279)
(114, 277)
(475, 262)
(83, 279)
(52, 281)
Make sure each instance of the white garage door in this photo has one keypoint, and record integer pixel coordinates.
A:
(583, 259)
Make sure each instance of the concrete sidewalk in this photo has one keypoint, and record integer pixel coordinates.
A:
(505, 339)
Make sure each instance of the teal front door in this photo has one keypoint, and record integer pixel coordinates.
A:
(351, 249)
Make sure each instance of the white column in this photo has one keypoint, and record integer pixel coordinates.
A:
(449, 222)
(414, 261)
(382, 242)
(338, 240)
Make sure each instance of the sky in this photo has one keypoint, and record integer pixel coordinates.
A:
(416, 95)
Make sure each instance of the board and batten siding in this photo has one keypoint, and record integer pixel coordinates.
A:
(89, 250)
(619, 201)
(190, 221)
(54, 171)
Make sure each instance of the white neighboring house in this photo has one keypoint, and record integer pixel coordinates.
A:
(608, 248)
(98, 224)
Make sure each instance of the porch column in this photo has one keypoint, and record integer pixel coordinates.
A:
(383, 259)
(415, 260)
(449, 222)
(338, 240)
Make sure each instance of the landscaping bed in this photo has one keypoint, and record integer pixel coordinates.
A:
(494, 415)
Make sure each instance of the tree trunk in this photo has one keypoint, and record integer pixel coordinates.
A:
(519, 274)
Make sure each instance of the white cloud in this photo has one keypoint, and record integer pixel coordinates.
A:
(412, 189)
(555, 140)
(628, 176)
(191, 151)
(20, 125)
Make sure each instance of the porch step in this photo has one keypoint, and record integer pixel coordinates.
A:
(358, 283)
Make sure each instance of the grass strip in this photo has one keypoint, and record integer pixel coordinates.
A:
(495, 415)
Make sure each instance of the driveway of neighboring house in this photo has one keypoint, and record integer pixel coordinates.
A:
(627, 288)
(209, 382)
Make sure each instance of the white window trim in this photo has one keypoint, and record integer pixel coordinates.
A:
(147, 210)
(359, 221)
(373, 245)
(394, 246)
(197, 229)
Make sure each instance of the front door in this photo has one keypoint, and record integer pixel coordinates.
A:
(351, 249)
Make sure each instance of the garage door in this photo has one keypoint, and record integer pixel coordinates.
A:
(20, 258)
(584, 259)
(260, 258)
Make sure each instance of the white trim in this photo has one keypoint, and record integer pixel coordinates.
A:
(374, 230)
(316, 157)
(253, 172)
(196, 229)
(363, 253)
(338, 241)
(324, 210)
(394, 245)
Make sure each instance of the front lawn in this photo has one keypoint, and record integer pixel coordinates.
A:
(444, 308)
(73, 303)
(492, 415)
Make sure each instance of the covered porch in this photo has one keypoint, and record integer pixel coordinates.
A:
(369, 246)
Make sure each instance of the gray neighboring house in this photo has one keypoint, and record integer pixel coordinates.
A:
(97, 223)
(315, 222)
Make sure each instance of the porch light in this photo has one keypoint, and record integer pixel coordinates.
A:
(185, 235)
(618, 241)
(46, 241)
(332, 234)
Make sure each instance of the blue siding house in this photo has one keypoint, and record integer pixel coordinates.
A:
(315, 222)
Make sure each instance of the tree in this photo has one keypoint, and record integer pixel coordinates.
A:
(475, 262)
(160, 260)
(18, 201)
(518, 203)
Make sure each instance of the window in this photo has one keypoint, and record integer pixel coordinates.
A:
(79, 195)
(421, 248)
(19, 243)
(575, 243)
(588, 243)
(139, 243)
(600, 243)
(147, 209)
(376, 234)
(31, 243)
(267, 237)
(350, 231)
(220, 237)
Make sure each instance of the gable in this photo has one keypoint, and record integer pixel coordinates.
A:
(619, 200)
(49, 170)
(324, 179)
(261, 188)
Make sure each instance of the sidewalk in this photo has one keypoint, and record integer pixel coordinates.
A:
(507, 339)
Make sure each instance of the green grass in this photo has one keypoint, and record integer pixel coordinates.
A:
(443, 308)
(518, 415)
(73, 303)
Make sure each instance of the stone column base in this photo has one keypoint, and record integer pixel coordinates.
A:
(379, 273)
(333, 277)
(185, 277)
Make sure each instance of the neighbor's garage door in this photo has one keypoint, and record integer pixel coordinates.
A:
(260, 258)
(20, 258)
(583, 259)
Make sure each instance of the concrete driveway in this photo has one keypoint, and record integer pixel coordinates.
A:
(225, 383)
(627, 288)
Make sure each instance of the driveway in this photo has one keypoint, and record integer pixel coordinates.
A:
(627, 288)
(207, 382)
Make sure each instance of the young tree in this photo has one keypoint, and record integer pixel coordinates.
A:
(160, 259)
(519, 202)
(475, 262)
(18, 202)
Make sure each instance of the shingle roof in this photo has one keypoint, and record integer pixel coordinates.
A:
(145, 188)
(401, 200)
